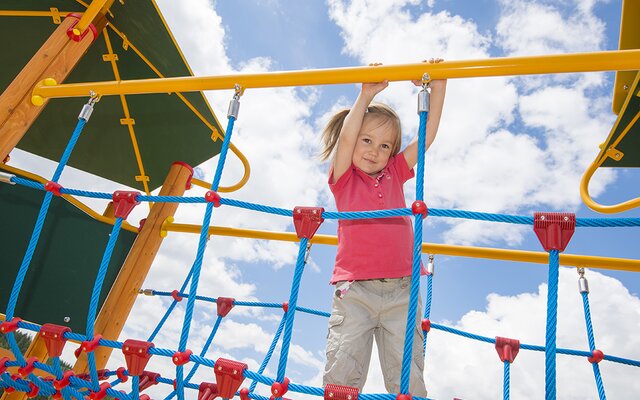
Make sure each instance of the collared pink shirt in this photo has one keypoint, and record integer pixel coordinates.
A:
(373, 248)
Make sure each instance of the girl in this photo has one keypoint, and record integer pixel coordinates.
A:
(372, 272)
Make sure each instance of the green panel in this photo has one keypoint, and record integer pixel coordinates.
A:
(166, 129)
(630, 143)
(60, 278)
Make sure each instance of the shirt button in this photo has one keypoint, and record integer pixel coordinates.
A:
(376, 185)
(380, 195)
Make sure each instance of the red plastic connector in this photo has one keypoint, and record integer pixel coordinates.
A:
(3, 364)
(307, 220)
(244, 394)
(181, 358)
(207, 391)
(53, 187)
(176, 295)
(426, 325)
(285, 306)
(507, 348)
(54, 339)
(124, 202)
(77, 38)
(144, 397)
(401, 396)
(278, 389)
(213, 197)
(229, 376)
(224, 305)
(136, 354)
(121, 374)
(34, 390)
(147, 379)
(10, 326)
(88, 345)
(64, 382)
(596, 356)
(554, 230)
(419, 207)
(102, 393)
(190, 168)
(338, 392)
(57, 395)
(28, 368)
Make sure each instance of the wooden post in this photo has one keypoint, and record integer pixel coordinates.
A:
(56, 59)
(124, 291)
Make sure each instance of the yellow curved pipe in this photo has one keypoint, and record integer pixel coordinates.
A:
(589, 202)
(232, 188)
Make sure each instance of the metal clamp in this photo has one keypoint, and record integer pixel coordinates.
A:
(423, 95)
(6, 178)
(87, 109)
(431, 266)
(234, 104)
(583, 284)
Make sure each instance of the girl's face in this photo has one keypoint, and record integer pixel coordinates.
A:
(374, 145)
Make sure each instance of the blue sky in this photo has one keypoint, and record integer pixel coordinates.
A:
(506, 145)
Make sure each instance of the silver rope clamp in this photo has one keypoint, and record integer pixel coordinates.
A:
(431, 266)
(6, 178)
(583, 284)
(234, 104)
(87, 109)
(147, 292)
(423, 95)
(307, 253)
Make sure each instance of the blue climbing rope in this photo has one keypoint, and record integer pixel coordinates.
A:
(552, 320)
(592, 345)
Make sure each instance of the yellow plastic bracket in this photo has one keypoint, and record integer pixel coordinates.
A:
(142, 178)
(614, 153)
(109, 57)
(127, 121)
(36, 100)
(125, 42)
(164, 229)
(55, 15)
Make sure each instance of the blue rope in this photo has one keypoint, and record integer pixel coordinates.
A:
(552, 320)
(171, 307)
(289, 317)
(427, 310)
(507, 381)
(135, 387)
(272, 348)
(592, 345)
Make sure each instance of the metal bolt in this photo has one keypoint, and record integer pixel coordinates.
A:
(625, 87)
(542, 218)
(67, 319)
(617, 155)
(566, 218)
(330, 394)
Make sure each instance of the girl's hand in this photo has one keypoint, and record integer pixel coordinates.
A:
(371, 89)
(437, 82)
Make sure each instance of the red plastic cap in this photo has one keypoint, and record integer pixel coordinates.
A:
(190, 168)
(213, 197)
(426, 325)
(278, 389)
(285, 306)
(207, 391)
(77, 38)
(229, 376)
(54, 339)
(121, 374)
(419, 207)
(181, 358)
(307, 220)
(596, 357)
(244, 394)
(176, 295)
(124, 202)
(53, 187)
(147, 379)
(338, 392)
(89, 345)
(507, 348)
(10, 326)
(28, 368)
(136, 353)
(402, 396)
(554, 230)
(64, 382)
(102, 393)
(224, 304)
(34, 390)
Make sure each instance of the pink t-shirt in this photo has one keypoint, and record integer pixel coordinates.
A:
(378, 247)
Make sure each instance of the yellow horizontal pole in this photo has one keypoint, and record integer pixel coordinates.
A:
(621, 264)
(22, 13)
(618, 60)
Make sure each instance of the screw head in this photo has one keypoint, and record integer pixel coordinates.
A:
(542, 218)
(67, 319)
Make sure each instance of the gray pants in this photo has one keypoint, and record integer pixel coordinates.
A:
(373, 308)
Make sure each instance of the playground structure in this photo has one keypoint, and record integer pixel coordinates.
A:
(554, 229)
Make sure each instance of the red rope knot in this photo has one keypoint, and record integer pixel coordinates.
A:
(53, 187)
(34, 390)
(338, 392)
(419, 207)
(54, 339)
(212, 197)
(88, 345)
(596, 356)
(229, 376)
(554, 230)
(122, 375)
(136, 354)
(176, 295)
(28, 368)
(507, 348)
(124, 201)
(224, 305)
(307, 220)
(64, 382)
(10, 326)
(181, 358)
(285, 306)
(244, 394)
(278, 389)
(207, 391)
(102, 393)
(426, 325)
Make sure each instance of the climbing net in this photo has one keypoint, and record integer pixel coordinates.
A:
(553, 229)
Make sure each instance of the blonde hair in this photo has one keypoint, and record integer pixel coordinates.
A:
(331, 132)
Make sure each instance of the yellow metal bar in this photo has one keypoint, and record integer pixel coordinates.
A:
(90, 14)
(549, 64)
(88, 210)
(233, 188)
(16, 13)
(430, 248)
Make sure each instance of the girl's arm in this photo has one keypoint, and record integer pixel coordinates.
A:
(351, 128)
(438, 90)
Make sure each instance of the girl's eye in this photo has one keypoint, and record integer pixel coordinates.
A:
(366, 140)
(386, 146)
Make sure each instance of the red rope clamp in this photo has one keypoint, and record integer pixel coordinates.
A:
(121, 374)
(3, 364)
(213, 197)
(426, 325)
(136, 354)
(102, 393)
(10, 326)
(176, 295)
(507, 348)
(64, 382)
(285, 306)
(88, 345)
(307, 220)
(244, 394)
(278, 389)
(419, 207)
(401, 396)
(54, 339)
(124, 201)
(554, 230)
(34, 390)
(224, 305)
(338, 392)
(181, 358)
(147, 379)
(53, 187)
(28, 368)
(596, 356)
(229, 376)
(78, 38)
(207, 391)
